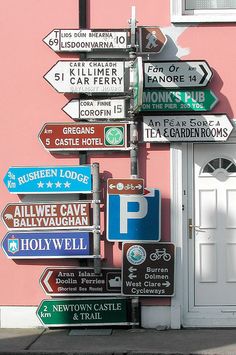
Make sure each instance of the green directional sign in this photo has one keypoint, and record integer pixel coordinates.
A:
(178, 100)
(85, 312)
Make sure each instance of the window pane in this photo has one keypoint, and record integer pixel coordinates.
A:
(210, 4)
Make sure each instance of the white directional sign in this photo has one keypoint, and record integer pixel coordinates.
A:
(176, 74)
(96, 109)
(191, 128)
(68, 40)
(87, 76)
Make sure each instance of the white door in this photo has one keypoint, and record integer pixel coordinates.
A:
(212, 235)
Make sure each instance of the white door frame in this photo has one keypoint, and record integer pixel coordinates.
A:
(179, 232)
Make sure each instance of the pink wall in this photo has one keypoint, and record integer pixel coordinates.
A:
(28, 101)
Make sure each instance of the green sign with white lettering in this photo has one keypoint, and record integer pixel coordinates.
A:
(85, 312)
(178, 100)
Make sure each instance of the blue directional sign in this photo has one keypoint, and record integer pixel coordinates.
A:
(36, 245)
(56, 179)
(134, 217)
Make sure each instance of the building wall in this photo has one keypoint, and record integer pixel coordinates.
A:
(28, 102)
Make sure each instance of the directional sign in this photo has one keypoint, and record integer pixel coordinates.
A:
(68, 281)
(134, 217)
(151, 39)
(176, 74)
(34, 245)
(38, 216)
(125, 186)
(96, 109)
(65, 40)
(87, 76)
(60, 179)
(85, 312)
(192, 128)
(148, 269)
(84, 136)
(178, 100)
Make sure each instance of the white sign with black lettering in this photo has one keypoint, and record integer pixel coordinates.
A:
(176, 74)
(67, 40)
(96, 109)
(87, 76)
(191, 128)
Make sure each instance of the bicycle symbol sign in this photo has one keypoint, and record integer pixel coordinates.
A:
(148, 269)
(160, 254)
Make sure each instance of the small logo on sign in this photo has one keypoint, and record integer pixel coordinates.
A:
(13, 245)
(136, 255)
(114, 136)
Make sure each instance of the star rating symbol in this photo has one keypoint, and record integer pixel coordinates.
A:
(67, 184)
(58, 184)
(40, 184)
(49, 184)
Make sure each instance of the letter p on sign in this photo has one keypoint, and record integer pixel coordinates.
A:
(134, 217)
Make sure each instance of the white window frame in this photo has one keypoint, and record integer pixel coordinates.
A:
(180, 15)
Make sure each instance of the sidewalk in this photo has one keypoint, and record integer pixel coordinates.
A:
(119, 342)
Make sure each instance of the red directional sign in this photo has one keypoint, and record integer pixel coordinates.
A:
(78, 281)
(84, 136)
(37, 216)
(125, 186)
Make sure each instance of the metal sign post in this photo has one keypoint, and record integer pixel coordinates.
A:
(96, 218)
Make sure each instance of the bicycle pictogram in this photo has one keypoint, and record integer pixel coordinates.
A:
(160, 254)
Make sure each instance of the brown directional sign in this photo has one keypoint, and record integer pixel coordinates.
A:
(148, 269)
(37, 216)
(125, 186)
(84, 136)
(151, 39)
(68, 281)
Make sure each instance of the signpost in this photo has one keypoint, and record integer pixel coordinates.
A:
(148, 269)
(89, 77)
(137, 83)
(125, 186)
(84, 136)
(85, 312)
(192, 128)
(178, 100)
(36, 245)
(151, 40)
(78, 281)
(103, 109)
(72, 40)
(56, 179)
(38, 216)
(134, 217)
(176, 74)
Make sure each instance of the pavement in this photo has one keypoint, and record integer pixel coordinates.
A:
(136, 341)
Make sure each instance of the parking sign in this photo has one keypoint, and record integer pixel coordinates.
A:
(134, 217)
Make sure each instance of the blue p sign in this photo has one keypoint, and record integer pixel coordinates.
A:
(134, 217)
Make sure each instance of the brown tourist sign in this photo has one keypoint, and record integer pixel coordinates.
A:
(83, 136)
(37, 216)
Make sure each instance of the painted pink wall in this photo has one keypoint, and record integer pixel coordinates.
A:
(28, 101)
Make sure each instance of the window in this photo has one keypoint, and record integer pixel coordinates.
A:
(203, 11)
(219, 163)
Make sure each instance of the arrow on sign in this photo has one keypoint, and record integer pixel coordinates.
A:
(46, 281)
(87, 76)
(132, 276)
(176, 74)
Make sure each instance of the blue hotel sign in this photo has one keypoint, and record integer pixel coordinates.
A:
(57, 179)
(34, 245)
